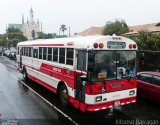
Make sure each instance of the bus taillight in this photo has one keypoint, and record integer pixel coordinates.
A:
(101, 45)
(134, 46)
(130, 46)
(95, 45)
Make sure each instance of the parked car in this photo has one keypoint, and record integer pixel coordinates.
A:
(12, 54)
(6, 53)
(148, 85)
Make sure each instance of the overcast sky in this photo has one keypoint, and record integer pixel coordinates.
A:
(79, 14)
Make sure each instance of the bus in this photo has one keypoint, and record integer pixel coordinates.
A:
(90, 72)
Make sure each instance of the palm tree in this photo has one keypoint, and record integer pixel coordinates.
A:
(62, 28)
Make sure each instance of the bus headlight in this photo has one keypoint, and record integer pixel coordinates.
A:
(132, 92)
(98, 98)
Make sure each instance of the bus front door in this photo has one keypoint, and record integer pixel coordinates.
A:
(80, 83)
(80, 89)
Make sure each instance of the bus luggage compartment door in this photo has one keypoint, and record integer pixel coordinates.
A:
(80, 89)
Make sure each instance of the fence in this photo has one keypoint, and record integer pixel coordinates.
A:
(148, 60)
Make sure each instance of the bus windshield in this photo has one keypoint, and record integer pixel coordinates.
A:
(109, 65)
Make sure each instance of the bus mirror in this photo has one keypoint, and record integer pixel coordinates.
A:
(89, 76)
(83, 78)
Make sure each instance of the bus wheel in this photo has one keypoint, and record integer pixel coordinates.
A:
(63, 95)
(25, 75)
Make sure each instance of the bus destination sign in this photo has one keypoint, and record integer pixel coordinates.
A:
(116, 45)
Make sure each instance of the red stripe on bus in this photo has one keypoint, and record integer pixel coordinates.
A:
(51, 88)
(43, 45)
(62, 76)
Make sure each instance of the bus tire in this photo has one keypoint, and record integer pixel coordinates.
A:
(25, 75)
(63, 94)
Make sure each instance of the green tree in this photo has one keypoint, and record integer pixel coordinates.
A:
(117, 27)
(147, 40)
(2, 40)
(13, 36)
(62, 28)
(42, 35)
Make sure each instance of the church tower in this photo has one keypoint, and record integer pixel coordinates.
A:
(31, 15)
(22, 19)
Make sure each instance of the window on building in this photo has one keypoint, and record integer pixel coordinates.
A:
(62, 55)
(55, 54)
(44, 53)
(70, 54)
(49, 54)
(40, 52)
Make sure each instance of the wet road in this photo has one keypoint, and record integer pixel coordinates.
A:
(19, 102)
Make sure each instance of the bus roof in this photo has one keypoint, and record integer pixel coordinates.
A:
(84, 42)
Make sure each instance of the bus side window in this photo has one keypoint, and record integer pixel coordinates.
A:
(17, 50)
(25, 48)
(44, 53)
(30, 51)
(70, 54)
(22, 51)
(26, 51)
(40, 52)
(81, 60)
(35, 53)
(55, 54)
(49, 54)
(62, 55)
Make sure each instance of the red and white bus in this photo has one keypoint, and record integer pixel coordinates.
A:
(90, 72)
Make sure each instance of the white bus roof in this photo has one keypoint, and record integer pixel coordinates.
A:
(84, 42)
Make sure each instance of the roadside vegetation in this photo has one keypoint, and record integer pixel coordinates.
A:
(11, 38)
(145, 40)
(117, 27)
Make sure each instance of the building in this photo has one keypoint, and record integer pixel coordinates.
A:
(133, 30)
(152, 28)
(91, 31)
(30, 28)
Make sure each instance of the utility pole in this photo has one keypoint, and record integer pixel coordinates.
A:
(69, 32)
(59, 31)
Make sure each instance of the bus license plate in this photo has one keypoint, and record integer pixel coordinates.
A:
(117, 103)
